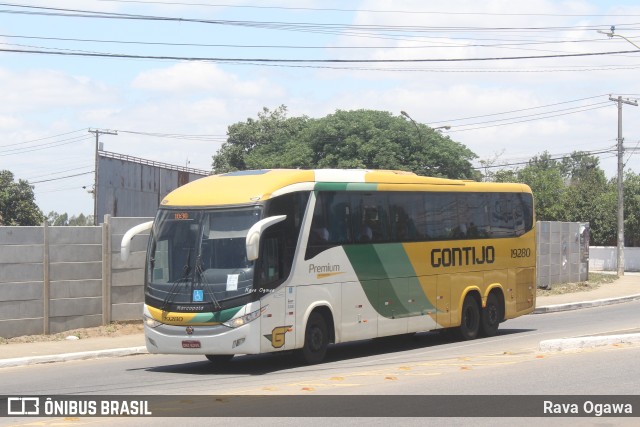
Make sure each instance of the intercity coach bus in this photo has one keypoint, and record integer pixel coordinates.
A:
(272, 260)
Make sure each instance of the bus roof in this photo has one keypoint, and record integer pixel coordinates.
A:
(252, 186)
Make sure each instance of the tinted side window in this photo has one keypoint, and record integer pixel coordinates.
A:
(280, 241)
(370, 217)
(331, 222)
(407, 216)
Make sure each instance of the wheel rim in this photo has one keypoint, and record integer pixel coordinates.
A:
(316, 339)
(470, 318)
(492, 314)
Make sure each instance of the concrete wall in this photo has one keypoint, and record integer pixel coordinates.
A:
(54, 279)
(605, 258)
(126, 278)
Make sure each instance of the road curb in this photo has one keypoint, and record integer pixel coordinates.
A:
(65, 357)
(584, 304)
(563, 344)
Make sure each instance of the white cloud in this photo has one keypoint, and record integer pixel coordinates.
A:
(199, 77)
(38, 90)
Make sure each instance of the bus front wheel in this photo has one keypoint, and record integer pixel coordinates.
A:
(316, 339)
(470, 321)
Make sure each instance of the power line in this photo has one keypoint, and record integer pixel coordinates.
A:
(40, 147)
(318, 9)
(524, 121)
(552, 157)
(501, 44)
(55, 173)
(296, 26)
(42, 139)
(274, 60)
(62, 177)
(518, 110)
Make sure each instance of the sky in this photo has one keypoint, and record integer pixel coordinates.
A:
(512, 79)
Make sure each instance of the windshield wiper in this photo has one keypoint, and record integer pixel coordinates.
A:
(175, 286)
(201, 279)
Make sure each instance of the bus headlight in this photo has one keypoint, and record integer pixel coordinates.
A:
(151, 322)
(243, 320)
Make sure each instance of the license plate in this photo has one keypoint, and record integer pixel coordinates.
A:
(190, 344)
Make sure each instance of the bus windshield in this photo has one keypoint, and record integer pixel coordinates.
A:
(198, 260)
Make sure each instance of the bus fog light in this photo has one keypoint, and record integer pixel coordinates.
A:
(238, 342)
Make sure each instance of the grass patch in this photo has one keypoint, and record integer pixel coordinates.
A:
(595, 280)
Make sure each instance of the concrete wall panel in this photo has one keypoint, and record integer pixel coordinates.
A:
(75, 307)
(21, 291)
(21, 236)
(77, 253)
(21, 309)
(76, 289)
(14, 254)
(21, 327)
(28, 272)
(75, 271)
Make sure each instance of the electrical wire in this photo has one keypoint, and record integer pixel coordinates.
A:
(318, 9)
(281, 60)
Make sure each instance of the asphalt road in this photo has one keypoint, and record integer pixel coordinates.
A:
(427, 364)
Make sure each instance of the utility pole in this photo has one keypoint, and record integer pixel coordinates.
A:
(620, 255)
(97, 133)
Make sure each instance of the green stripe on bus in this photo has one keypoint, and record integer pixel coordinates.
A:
(397, 264)
(217, 317)
(388, 280)
(343, 186)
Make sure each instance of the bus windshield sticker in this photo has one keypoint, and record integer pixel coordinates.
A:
(232, 282)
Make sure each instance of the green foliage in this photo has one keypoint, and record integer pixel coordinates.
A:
(575, 189)
(55, 219)
(544, 177)
(346, 139)
(17, 202)
(632, 209)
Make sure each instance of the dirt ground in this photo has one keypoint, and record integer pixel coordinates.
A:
(135, 327)
(112, 330)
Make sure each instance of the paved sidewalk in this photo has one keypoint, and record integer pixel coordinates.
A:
(627, 288)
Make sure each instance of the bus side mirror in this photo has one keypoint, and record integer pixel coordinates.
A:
(125, 246)
(256, 230)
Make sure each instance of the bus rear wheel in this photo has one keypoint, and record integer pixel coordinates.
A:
(316, 339)
(491, 316)
(470, 321)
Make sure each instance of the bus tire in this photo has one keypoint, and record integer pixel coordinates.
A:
(470, 319)
(316, 339)
(219, 359)
(491, 316)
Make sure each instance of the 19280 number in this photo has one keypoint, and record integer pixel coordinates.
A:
(520, 253)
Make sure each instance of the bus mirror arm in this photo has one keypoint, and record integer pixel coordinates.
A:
(125, 246)
(256, 230)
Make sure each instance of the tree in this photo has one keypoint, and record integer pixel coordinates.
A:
(17, 202)
(261, 143)
(345, 139)
(543, 175)
(589, 197)
(631, 209)
(575, 189)
(55, 219)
